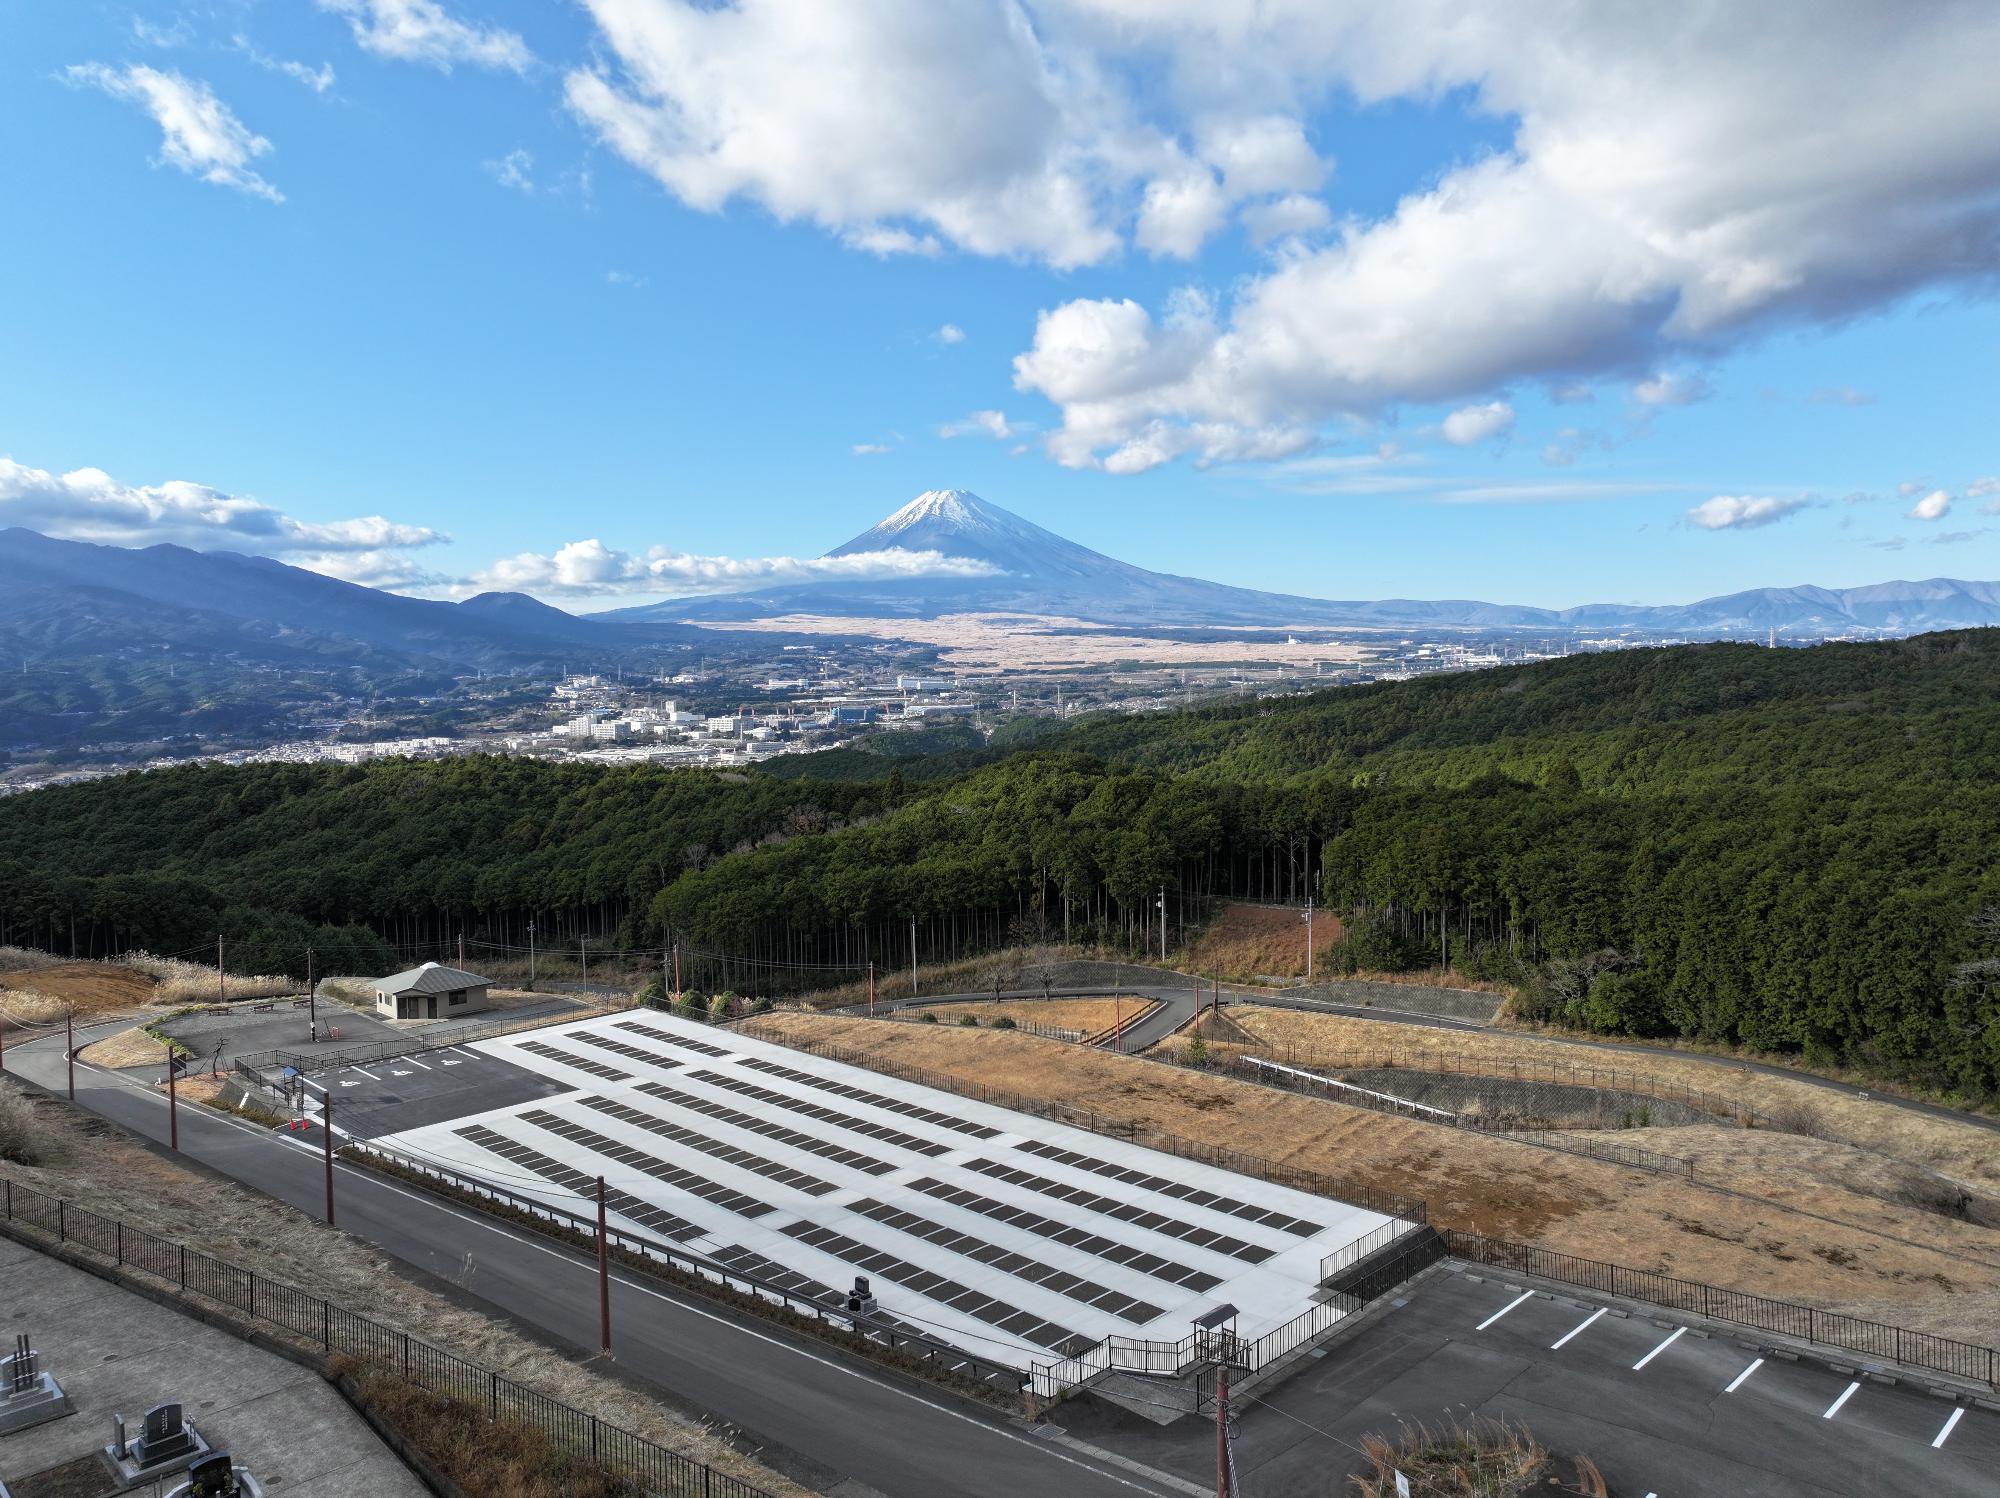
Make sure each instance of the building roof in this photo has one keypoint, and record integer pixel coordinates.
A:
(430, 978)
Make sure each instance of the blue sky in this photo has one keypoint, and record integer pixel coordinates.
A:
(515, 276)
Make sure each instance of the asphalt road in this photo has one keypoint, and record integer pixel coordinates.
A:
(1662, 1411)
(826, 1419)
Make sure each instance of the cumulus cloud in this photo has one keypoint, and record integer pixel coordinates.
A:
(199, 134)
(910, 126)
(1670, 390)
(88, 504)
(424, 31)
(1732, 512)
(587, 568)
(1656, 204)
(992, 424)
(1295, 213)
(951, 332)
(1471, 424)
(1933, 506)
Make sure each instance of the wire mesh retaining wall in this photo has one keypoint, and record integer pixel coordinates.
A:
(831, 1311)
(1313, 1183)
(1808, 1323)
(626, 1454)
(1276, 1074)
(1554, 1073)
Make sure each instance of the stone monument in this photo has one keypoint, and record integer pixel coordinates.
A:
(28, 1394)
(167, 1445)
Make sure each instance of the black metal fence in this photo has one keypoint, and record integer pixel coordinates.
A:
(828, 1309)
(626, 1454)
(1784, 1318)
(268, 1068)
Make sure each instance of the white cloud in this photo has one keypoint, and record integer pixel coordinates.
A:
(1472, 424)
(1987, 489)
(88, 504)
(887, 239)
(1933, 506)
(318, 79)
(1656, 204)
(1670, 390)
(375, 569)
(951, 332)
(424, 31)
(630, 279)
(992, 424)
(516, 170)
(1728, 512)
(586, 568)
(1281, 217)
(1265, 154)
(1839, 395)
(1180, 212)
(871, 449)
(199, 134)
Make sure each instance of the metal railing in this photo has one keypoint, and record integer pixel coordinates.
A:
(1784, 1318)
(830, 1311)
(340, 1333)
(1311, 1182)
(1294, 1079)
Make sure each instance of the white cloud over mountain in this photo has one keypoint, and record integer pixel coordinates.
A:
(590, 568)
(88, 504)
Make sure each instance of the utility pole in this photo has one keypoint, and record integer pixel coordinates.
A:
(173, 1104)
(603, 1277)
(913, 957)
(326, 1123)
(1309, 938)
(583, 951)
(221, 989)
(1163, 923)
(531, 955)
(69, 1048)
(1118, 1019)
(677, 971)
(312, 997)
(871, 990)
(1224, 1488)
(461, 949)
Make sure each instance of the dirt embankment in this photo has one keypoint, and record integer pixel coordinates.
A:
(1090, 1016)
(41, 995)
(1910, 1267)
(92, 1163)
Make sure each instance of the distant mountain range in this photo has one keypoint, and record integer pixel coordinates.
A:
(1039, 573)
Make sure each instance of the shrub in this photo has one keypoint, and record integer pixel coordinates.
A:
(1005, 1022)
(928, 1018)
(21, 1138)
(1374, 944)
(968, 1022)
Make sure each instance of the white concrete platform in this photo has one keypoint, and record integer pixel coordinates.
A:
(1011, 1236)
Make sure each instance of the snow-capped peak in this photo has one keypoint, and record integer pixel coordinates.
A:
(953, 507)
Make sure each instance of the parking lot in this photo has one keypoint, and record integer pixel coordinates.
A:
(1014, 1237)
(1666, 1410)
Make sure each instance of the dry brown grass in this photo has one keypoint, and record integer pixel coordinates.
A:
(1936, 1275)
(1482, 1459)
(1962, 1152)
(25, 959)
(181, 982)
(104, 1169)
(1088, 1015)
(40, 996)
(133, 1047)
(1249, 941)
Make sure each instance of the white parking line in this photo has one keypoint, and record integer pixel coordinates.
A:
(1524, 1295)
(1845, 1395)
(1660, 1349)
(416, 1063)
(1955, 1415)
(1575, 1329)
(368, 1074)
(1737, 1382)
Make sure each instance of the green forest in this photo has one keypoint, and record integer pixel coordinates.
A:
(1790, 849)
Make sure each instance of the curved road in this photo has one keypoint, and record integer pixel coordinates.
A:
(827, 1421)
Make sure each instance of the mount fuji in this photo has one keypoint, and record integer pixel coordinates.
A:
(1038, 573)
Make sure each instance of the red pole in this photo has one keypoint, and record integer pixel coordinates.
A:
(603, 1277)
(871, 990)
(69, 1048)
(326, 1123)
(1222, 1485)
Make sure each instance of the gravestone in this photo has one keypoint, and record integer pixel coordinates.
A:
(167, 1444)
(216, 1476)
(28, 1394)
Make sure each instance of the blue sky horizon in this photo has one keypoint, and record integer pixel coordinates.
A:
(630, 299)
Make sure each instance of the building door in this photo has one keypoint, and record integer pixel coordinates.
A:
(431, 1001)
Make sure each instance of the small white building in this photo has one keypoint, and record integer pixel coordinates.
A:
(431, 992)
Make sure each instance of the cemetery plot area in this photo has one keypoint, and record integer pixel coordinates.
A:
(1014, 1237)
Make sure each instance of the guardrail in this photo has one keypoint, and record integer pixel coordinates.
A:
(1312, 1182)
(831, 1312)
(339, 1332)
(1295, 1079)
(1784, 1318)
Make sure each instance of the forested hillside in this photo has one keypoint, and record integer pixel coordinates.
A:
(1786, 848)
